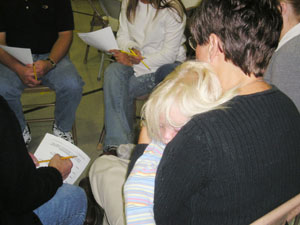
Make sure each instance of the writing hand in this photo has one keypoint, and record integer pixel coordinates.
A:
(64, 166)
(121, 57)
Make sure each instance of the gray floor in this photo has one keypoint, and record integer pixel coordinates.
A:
(90, 113)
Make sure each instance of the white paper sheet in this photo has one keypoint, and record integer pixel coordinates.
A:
(52, 145)
(22, 54)
(102, 39)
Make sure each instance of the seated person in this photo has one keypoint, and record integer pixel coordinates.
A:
(46, 28)
(191, 89)
(29, 195)
(284, 70)
(189, 82)
(152, 34)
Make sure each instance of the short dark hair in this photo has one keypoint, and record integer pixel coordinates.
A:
(248, 29)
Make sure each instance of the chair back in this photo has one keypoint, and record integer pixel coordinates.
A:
(287, 212)
(111, 8)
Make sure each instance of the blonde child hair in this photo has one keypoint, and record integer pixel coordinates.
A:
(193, 87)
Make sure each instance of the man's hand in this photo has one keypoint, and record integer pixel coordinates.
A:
(64, 166)
(27, 76)
(42, 67)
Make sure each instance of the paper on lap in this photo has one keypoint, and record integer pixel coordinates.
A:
(52, 145)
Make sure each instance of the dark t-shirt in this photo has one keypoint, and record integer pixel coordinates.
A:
(35, 24)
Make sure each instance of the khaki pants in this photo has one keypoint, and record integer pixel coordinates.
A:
(107, 177)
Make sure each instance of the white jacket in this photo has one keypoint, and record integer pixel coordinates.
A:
(160, 39)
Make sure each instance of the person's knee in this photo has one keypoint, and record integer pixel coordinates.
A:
(71, 84)
(115, 73)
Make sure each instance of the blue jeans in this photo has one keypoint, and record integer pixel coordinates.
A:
(64, 79)
(67, 207)
(120, 88)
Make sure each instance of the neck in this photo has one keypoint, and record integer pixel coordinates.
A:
(231, 76)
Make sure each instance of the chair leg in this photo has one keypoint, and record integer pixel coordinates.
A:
(101, 138)
(74, 133)
(101, 66)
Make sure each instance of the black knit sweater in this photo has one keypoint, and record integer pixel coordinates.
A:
(231, 166)
(23, 187)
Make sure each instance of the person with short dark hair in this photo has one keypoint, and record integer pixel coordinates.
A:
(234, 165)
(46, 27)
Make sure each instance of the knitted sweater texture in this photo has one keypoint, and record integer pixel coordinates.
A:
(231, 166)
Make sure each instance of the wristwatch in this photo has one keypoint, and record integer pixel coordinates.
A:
(52, 62)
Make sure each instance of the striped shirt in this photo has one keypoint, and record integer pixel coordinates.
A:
(139, 187)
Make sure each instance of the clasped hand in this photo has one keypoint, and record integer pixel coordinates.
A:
(26, 73)
(127, 59)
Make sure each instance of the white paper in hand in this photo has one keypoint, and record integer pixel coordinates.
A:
(103, 39)
(52, 145)
(22, 54)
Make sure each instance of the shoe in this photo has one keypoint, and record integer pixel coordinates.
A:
(94, 214)
(64, 135)
(111, 150)
(124, 151)
(27, 135)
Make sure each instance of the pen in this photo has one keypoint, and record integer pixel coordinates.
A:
(133, 53)
(48, 160)
(34, 71)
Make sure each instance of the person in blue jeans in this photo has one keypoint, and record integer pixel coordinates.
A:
(45, 27)
(150, 35)
(30, 195)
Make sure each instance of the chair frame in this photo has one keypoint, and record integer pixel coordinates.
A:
(41, 89)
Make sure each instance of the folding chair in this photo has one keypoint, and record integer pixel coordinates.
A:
(287, 213)
(111, 10)
(44, 89)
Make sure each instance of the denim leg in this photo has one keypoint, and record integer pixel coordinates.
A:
(142, 85)
(67, 207)
(11, 88)
(118, 105)
(67, 83)
(164, 70)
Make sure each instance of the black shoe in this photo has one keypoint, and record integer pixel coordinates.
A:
(112, 150)
(95, 213)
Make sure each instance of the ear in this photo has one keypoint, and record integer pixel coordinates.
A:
(283, 7)
(215, 47)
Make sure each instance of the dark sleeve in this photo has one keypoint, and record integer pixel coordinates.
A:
(23, 187)
(138, 151)
(182, 173)
(64, 20)
(2, 18)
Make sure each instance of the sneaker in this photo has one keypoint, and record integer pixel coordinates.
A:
(64, 135)
(110, 150)
(27, 135)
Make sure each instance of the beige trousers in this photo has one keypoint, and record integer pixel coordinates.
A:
(107, 177)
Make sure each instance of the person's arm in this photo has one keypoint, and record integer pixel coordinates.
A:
(25, 72)
(23, 187)
(124, 39)
(173, 38)
(58, 51)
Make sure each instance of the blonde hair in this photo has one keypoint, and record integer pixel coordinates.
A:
(193, 87)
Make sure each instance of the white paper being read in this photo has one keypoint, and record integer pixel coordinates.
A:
(52, 145)
(102, 39)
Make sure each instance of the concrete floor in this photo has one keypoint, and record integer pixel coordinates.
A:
(90, 113)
